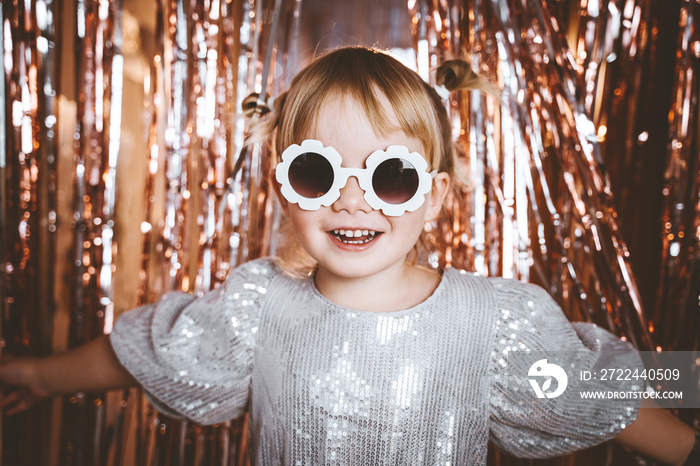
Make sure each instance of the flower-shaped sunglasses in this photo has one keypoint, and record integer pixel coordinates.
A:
(394, 180)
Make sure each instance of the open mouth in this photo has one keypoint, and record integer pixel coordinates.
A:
(354, 236)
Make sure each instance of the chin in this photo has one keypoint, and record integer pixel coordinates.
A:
(354, 269)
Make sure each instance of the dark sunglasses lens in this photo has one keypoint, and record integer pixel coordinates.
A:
(395, 181)
(311, 175)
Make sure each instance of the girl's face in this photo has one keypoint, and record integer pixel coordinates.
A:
(379, 243)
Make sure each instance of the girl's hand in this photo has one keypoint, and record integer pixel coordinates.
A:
(659, 434)
(91, 367)
(21, 377)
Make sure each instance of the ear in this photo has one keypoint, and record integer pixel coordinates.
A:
(436, 197)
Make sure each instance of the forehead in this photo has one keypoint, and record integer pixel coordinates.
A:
(345, 125)
(341, 112)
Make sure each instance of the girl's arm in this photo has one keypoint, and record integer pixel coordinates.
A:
(91, 367)
(659, 435)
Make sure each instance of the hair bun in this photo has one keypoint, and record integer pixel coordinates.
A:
(250, 105)
(458, 75)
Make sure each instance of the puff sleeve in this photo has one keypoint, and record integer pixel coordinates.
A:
(522, 424)
(194, 356)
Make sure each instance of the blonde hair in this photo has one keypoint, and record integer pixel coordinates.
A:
(368, 76)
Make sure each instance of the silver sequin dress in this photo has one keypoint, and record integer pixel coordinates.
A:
(324, 384)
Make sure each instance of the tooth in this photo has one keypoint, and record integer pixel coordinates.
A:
(365, 232)
(358, 233)
(341, 232)
(335, 232)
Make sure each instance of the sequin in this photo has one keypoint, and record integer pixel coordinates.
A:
(329, 385)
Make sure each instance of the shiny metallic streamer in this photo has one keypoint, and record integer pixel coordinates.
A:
(183, 98)
(177, 149)
(677, 309)
(421, 30)
(207, 120)
(621, 50)
(253, 159)
(155, 99)
(3, 183)
(144, 422)
(28, 195)
(3, 122)
(99, 87)
(232, 224)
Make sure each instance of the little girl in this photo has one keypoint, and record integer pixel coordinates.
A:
(353, 353)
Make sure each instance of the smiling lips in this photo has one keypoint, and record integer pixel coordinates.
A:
(354, 236)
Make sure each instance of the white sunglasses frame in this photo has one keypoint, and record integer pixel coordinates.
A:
(363, 175)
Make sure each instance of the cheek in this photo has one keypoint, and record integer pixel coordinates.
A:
(410, 225)
(304, 223)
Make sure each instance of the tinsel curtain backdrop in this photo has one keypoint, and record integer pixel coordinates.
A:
(123, 174)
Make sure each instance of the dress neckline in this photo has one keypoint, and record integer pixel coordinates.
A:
(437, 292)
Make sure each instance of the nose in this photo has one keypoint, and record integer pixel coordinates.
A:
(352, 198)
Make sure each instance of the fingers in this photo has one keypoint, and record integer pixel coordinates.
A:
(9, 399)
(16, 402)
(18, 379)
(14, 381)
(23, 405)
